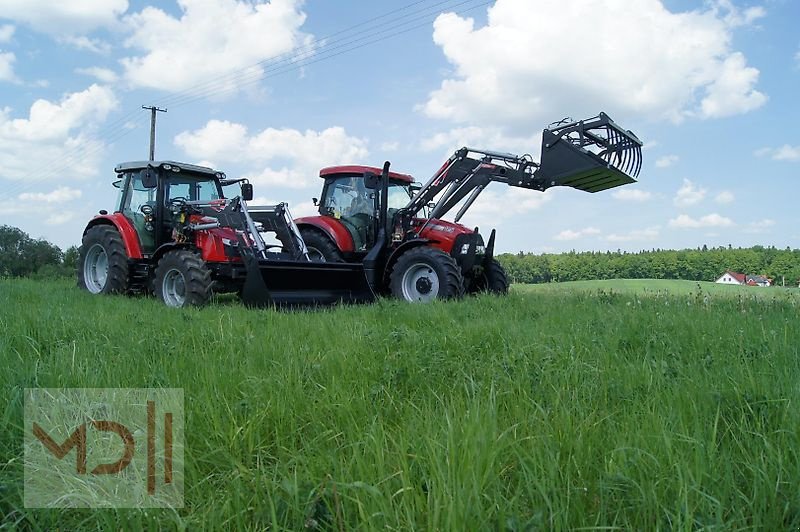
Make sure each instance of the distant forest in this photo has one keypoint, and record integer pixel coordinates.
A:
(701, 264)
(23, 256)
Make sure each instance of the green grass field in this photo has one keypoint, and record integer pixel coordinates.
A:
(631, 405)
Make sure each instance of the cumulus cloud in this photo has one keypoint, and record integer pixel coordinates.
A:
(726, 196)
(82, 42)
(760, 226)
(626, 194)
(666, 161)
(684, 221)
(535, 62)
(570, 234)
(73, 17)
(102, 74)
(783, 153)
(6, 32)
(689, 194)
(210, 37)
(7, 60)
(54, 132)
(498, 203)
(636, 235)
(490, 138)
(59, 195)
(284, 157)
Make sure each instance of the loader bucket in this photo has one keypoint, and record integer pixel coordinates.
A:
(307, 283)
(590, 155)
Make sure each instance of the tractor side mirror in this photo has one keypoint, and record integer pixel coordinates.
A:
(149, 178)
(316, 201)
(247, 191)
(371, 180)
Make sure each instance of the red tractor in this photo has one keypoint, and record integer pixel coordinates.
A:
(419, 255)
(175, 234)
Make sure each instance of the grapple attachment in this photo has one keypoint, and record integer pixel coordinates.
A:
(590, 155)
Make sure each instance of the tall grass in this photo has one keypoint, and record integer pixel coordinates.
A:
(555, 409)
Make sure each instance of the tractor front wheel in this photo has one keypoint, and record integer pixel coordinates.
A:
(423, 274)
(102, 261)
(182, 279)
(320, 247)
(493, 279)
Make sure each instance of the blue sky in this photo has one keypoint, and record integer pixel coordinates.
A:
(275, 90)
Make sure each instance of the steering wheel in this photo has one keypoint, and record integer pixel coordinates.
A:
(146, 209)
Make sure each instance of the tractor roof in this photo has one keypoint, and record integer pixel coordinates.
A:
(168, 165)
(360, 170)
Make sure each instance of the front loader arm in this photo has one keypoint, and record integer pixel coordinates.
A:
(590, 155)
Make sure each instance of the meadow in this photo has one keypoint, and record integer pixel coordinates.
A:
(593, 405)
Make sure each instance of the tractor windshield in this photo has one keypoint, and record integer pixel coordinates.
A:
(193, 188)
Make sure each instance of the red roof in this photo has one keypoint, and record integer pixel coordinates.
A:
(738, 276)
(358, 169)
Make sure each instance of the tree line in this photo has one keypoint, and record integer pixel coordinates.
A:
(23, 256)
(701, 264)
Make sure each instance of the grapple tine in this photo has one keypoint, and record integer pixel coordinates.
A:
(592, 155)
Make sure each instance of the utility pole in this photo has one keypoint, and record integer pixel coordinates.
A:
(153, 110)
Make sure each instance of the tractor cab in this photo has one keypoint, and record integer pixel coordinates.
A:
(149, 191)
(347, 197)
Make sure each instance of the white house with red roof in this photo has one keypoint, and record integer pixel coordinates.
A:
(730, 277)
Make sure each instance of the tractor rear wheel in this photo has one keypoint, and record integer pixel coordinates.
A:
(320, 247)
(102, 261)
(424, 273)
(493, 279)
(183, 279)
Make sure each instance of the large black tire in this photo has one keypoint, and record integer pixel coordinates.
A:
(320, 247)
(102, 261)
(493, 279)
(183, 279)
(424, 273)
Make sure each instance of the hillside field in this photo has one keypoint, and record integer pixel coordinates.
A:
(631, 405)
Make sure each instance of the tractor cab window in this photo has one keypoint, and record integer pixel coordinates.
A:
(137, 201)
(347, 197)
(193, 189)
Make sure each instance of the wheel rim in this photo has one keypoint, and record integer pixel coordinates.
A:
(315, 255)
(173, 288)
(95, 269)
(420, 283)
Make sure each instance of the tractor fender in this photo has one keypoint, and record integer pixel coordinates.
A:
(402, 248)
(125, 229)
(332, 228)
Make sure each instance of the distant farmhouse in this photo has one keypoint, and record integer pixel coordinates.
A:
(730, 277)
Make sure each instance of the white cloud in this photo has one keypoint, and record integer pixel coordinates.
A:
(666, 161)
(6, 32)
(59, 18)
(636, 235)
(59, 195)
(569, 234)
(7, 60)
(626, 194)
(538, 61)
(81, 42)
(787, 153)
(689, 194)
(684, 221)
(285, 157)
(209, 38)
(759, 226)
(390, 146)
(102, 74)
(726, 196)
(58, 218)
(493, 206)
(732, 91)
(490, 138)
(54, 133)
